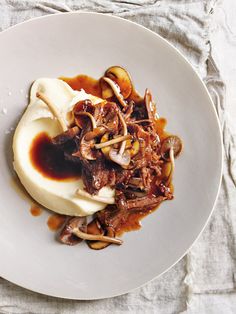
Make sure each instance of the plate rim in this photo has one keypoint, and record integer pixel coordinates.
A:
(219, 131)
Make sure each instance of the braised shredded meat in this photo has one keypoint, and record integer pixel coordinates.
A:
(118, 145)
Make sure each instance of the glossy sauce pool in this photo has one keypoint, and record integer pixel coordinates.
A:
(50, 161)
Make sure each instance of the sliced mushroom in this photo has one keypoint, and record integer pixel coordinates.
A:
(66, 236)
(122, 79)
(107, 92)
(99, 245)
(53, 109)
(116, 90)
(105, 200)
(170, 149)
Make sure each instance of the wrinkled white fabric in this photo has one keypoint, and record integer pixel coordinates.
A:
(204, 280)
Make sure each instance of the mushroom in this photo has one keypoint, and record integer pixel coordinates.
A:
(105, 150)
(118, 139)
(101, 199)
(116, 90)
(107, 92)
(95, 133)
(170, 149)
(174, 143)
(121, 159)
(122, 79)
(99, 245)
(66, 236)
(143, 121)
(87, 143)
(94, 227)
(151, 112)
(134, 148)
(76, 227)
(82, 106)
(121, 156)
(93, 237)
(54, 110)
(84, 113)
(129, 110)
(86, 149)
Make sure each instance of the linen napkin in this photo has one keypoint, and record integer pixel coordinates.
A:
(204, 280)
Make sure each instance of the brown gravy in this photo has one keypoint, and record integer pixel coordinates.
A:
(35, 210)
(133, 221)
(56, 221)
(89, 84)
(50, 161)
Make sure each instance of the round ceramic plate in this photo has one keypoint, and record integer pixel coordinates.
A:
(73, 43)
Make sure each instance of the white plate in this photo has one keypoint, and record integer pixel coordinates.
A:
(68, 44)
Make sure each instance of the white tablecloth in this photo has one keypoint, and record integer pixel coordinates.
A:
(204, 280)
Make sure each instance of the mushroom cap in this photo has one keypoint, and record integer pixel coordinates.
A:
(86, 149)
(122, 78)
(116, 89)
(121, 159)
(107, 91)
(99, 245)
(82, 106)
(105, 150)
(66, 236)
(173, 142)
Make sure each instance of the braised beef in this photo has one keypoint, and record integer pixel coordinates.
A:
(132, 125)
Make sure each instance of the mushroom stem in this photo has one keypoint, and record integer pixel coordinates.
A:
(125, 131)
(84, 113)
(142, 121)
(116, 90)
(149, 105)
(105, 200)
(85, 236)
(113, 141)
(172, 160)
(54, 110)
(96, 132)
